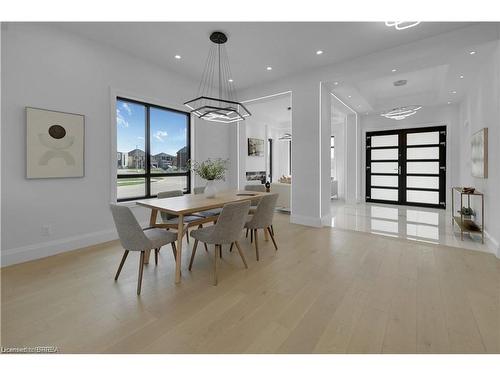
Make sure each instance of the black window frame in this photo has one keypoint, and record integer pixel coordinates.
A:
(147, 175)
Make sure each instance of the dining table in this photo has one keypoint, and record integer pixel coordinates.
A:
(189, 204)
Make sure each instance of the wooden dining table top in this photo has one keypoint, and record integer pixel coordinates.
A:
(190, 203)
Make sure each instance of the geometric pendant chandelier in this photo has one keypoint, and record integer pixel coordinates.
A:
(216, 100)
(401, 113)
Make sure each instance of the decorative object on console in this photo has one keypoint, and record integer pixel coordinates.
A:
(210, 170)
(217, 102)
(255, 147)
(479, 153)
(285, 179)
(54, 144)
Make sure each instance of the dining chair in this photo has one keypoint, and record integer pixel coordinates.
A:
(263, 219)
(214, 212)
(134, 238)
(260, 188)
(227, 230)
(172, 221)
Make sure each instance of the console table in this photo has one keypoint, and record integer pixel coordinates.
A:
(466, 222)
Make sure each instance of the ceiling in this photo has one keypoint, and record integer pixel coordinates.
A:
(272, 111)
(288, 47)
(439, 84)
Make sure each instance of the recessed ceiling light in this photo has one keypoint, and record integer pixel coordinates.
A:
(453, 92)
(319, 52)
(461, 77)
(178, 57)
(394, 70)
(230, 80)
(349, 96)
(449, 102)
(335, 83)
(472, 52)
(269, 68)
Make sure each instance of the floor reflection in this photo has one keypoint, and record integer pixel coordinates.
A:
(418, 224)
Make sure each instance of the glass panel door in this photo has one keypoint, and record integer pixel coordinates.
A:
(407, 166)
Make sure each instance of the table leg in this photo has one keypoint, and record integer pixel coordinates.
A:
(152, 222)
(180, 234)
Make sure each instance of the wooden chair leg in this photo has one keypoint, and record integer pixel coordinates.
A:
(251, 235)
(156, 256)
(141, 268)
(272, 229)
(174, 250)
(206, 247)
(192, 254)
(215, 264)
(246, 235)
(241, 253)
(256, 244)
(231, 248)
(122, 262)
(272, 237)
(187, 235)
(220, 251)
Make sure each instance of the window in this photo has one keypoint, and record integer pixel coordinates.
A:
(153, 146)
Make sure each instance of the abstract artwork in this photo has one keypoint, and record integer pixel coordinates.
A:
(255, 147)
(479, 153)
(54, 144)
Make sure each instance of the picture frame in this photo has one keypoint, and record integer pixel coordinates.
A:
(55, 144)
(255, 147)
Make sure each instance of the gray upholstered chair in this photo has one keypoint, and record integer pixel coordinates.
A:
(134, 238)
(263, 219)
(227, 230)
(260, 188)
(207, 213)
(172, 221)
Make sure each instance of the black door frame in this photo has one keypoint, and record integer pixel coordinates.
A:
(402, 159)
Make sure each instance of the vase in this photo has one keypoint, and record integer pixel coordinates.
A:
(210, 189)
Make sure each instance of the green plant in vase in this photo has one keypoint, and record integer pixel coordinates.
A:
(467, 211)
(210, 170)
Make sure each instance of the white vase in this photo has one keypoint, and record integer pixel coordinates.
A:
(210, 189)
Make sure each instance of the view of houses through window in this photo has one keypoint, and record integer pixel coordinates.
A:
(152, 149)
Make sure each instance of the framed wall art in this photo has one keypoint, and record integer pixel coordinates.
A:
(55, 143)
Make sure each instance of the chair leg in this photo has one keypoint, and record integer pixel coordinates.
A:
(174, 250)
(192, 254)
(241, 253)
(256, 244)
(231, 248)
(187, 235)
(141, 268)
(215, 264)
(220, 251)
(272, 237)
(206, 247)
(121, 264)
(251, 235)
(246, 235)
(156, 256)
(272, 229)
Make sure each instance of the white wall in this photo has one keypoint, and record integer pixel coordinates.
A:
(48, 68)
(427, 116)
(481, 109)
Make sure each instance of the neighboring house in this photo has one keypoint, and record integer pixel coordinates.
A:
(136, 159)
(162, 160)
(122, 158)
(182, 157)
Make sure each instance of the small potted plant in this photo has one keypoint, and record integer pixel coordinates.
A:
(467, 212)
(210, 170)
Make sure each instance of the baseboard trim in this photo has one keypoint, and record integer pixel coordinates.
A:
(45, 249)
(492, 244)
(306, 220)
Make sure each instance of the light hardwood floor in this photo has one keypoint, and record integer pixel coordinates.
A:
(325, 291)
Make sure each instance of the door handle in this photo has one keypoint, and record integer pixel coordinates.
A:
(399, 170)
